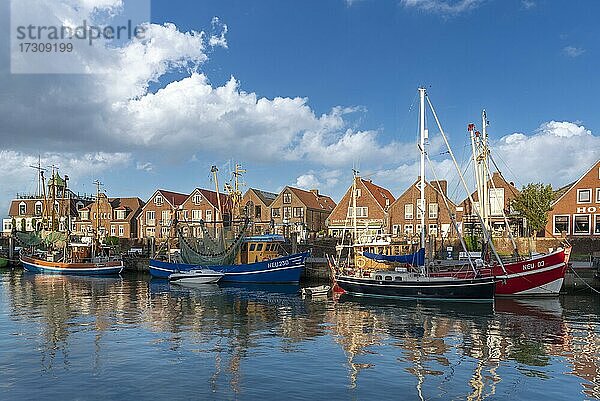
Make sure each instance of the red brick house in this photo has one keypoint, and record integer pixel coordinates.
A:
(299, 212)
(202, 205)
(157, 214)
(576, 211)
(405, 212)
(372, 204)
(115, 217)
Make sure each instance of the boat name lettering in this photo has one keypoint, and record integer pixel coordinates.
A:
(279, 263)
(530, 266)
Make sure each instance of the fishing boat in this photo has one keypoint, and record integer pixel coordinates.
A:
(226, 248)
(52, 252)
(412, 280)
(200, 276)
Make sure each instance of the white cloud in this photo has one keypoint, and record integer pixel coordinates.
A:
(144, 166)
(557, 153)
(308, 181)
(572, 51)
(527, 4)
(444, 7)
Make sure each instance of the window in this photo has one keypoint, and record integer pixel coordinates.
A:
(275, 212)
(166, 215)
(57, 207)
(197, 199)
(121, 231)
(185, 215)
(298, 212)
(85, 215)
(209, 215)
(597, 224)
(496, 201)
(120, 214)
(164, 232)
(433, 210)
(433, 229)
(357, 193)
(196, 215)
(259, 247)
(561, 224)
(584, 195)
(150, 217)
(287, 198)
(257, 211)
(252, 247)
(408, 211)
(396, 229)
(113, 231)
(418, 229)
(388, 278)
(597, 195)
(361, 212)
(408, 228)
(581, 224)
(22, 209)
(158, 200)
(287, 212)
(38, 208)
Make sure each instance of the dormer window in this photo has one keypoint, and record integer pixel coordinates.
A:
(22, 209)
(287, 198)
(197, 199)
(158, 200)
(38, 208)
(120, 214)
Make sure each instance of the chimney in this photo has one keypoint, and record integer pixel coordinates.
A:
(315, 192)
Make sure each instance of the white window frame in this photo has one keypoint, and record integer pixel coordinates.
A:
(24, 212)
(435, 209)
(596, 225)
(209, 215)
(287, 198)
(579, 191)
(408, 229)
(113, 230)
(396, 229)
(358, 192)
(407, 215)
(589, 224)
(433, 229)
(40, 205)
(597, 195)
(420, 208)
(568, 216)
(273, 215)
(158, 200)
(196, 215)
(197, 199)
(121, 230)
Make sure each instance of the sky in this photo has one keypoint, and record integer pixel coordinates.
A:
(300, 93)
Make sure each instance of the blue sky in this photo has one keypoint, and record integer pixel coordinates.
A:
(352, 67)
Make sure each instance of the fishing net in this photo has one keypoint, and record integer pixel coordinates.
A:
(211, 246)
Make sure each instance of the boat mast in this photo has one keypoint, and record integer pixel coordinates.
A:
(97, 236)
(354, 221)
(423, 132)
(214, 170)
(484, 170)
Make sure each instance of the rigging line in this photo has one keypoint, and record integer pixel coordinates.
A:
(452, 217)
(584, 282)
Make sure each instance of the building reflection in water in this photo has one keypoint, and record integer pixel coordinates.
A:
(431, 341)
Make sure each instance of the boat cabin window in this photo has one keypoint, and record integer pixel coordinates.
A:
(252, 247)
(377, 277)
(259, 247)
(244, 247)
(388, 278)
(397, 278)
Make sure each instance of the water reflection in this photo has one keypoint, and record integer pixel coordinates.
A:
(432, 350)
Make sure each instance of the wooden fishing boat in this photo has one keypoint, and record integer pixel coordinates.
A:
(100, 266)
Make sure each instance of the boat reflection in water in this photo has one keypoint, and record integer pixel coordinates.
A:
(245, 342)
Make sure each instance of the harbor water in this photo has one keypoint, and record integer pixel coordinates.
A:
(90, 338)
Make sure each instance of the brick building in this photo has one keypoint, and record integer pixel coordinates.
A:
(115, 217)
(576, 211)
(156, 216)
(405, 212)
(500, 194)
(257, 206)
(372, 204)
(202, 205)
(300, 212)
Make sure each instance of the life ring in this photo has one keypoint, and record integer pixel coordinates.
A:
(360, 262)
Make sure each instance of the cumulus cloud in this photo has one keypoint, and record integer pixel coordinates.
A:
(308, 181)
(557, 152)
(444, 7)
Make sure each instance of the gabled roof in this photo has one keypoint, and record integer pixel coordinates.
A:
(571, 186)
(562, 190)
(211, 197)
(312, 200)
(174, 198)
(427, 184)
(496, 177)
(379, 193)
(266, 197)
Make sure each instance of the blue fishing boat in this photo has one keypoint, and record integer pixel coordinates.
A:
(257, 261)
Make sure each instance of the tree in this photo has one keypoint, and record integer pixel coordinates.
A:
(534, 202)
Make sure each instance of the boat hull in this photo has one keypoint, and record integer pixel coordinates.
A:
(286, 269)
(478, 289)
(78, 269)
